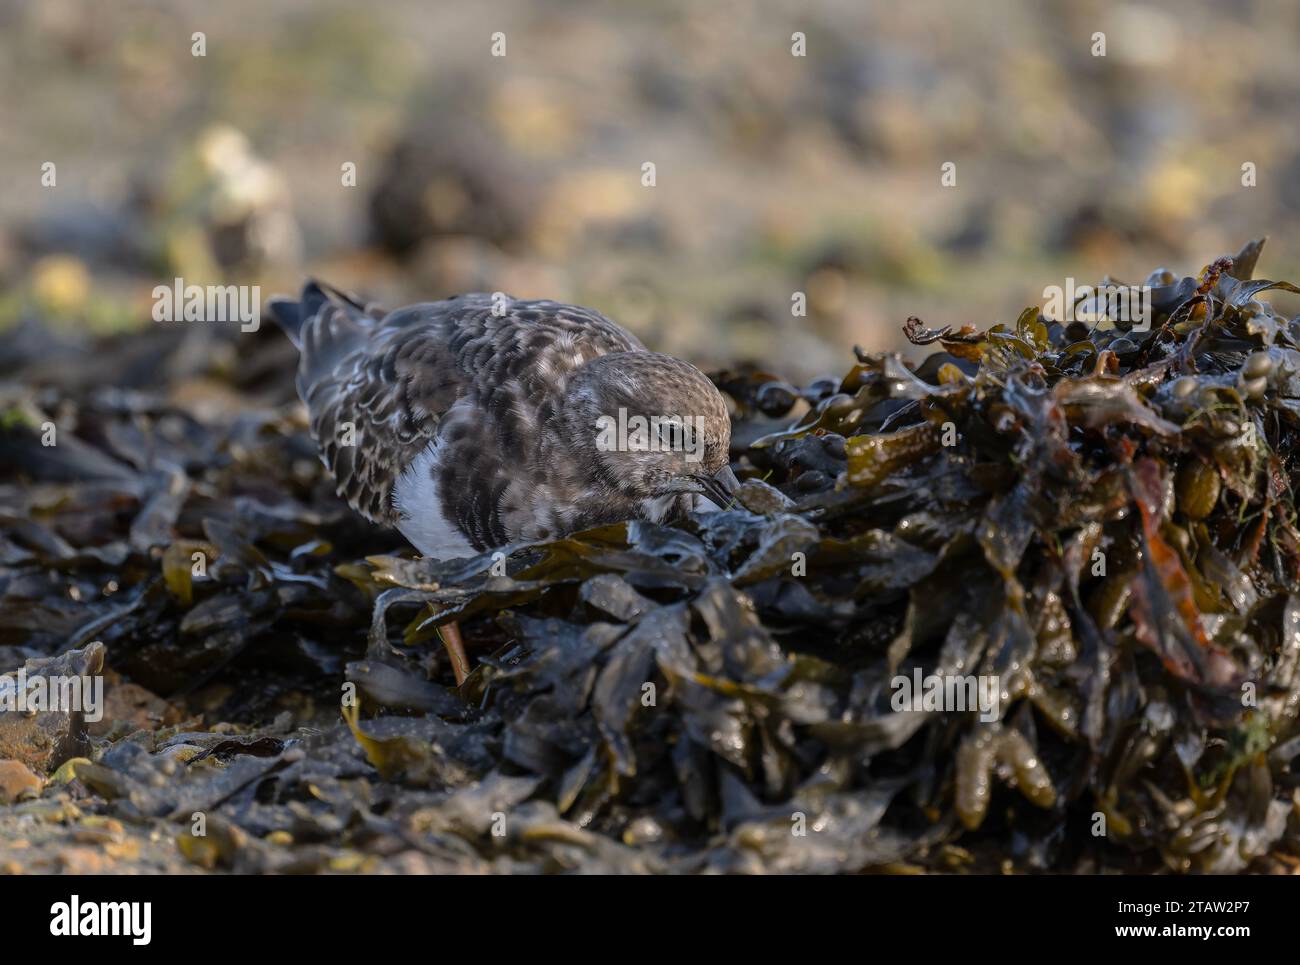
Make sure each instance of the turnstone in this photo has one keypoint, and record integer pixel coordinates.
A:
(480, 421)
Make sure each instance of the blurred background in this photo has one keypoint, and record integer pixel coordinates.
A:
(523, 173)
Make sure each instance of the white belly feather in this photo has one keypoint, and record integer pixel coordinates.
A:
(419, 504)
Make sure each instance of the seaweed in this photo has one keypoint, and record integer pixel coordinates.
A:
(1093, 526)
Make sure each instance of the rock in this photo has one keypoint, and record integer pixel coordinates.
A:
(242, 204)
(134, 706)
(16, 779)
(37, 727)
(451, 178)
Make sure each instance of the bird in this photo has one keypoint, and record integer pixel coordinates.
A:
(480, 421)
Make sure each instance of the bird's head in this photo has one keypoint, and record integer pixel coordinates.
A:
(655, 427)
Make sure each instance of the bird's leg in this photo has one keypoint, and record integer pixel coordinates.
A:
(449, 633)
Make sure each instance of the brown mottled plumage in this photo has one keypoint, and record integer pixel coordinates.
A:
(469, 429)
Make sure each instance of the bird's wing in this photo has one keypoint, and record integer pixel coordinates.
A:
(377, 389)
(374, 396)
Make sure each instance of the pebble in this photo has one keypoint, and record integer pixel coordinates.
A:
(16, 781)
(80, 860)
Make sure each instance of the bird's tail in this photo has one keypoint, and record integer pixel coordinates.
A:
(291, 315)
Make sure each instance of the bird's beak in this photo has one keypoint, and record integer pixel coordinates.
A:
(720, 488)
